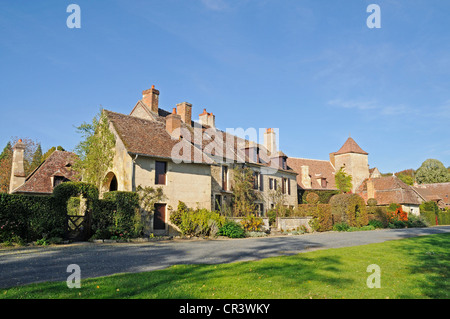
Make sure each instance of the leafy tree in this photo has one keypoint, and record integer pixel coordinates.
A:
(244, 194)
(5, 167)
(95, 151)
(36, 160)
(50, 152)
(407, 176)
(343, 181)
(432, 171)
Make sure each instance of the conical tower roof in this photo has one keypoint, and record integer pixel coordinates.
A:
(350, 146)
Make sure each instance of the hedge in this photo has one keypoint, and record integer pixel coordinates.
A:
(29, 218)
(350, 209)
(117, 215)
(324, 195)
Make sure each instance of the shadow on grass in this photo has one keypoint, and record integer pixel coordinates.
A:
(279, 277)
(431, 256)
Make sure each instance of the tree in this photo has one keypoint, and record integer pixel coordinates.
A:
(95, 151)
(432, 171)
(50, 152)
(36, 160)
(343, 181)
(244, 194)
(407, 176)
(5, 168)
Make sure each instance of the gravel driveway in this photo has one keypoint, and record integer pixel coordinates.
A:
(37, 264)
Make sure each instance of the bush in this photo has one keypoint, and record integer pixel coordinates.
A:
(379, 214)
(272, 214)
(200, 222)
(26, 218)
(372, 202)
(324, 196)
(341, 227)
(232, 229)
(349, 208)
(252, 223)
(416, 221)
(397, 224)
(376, 223)
(312, 198)
(444, 217)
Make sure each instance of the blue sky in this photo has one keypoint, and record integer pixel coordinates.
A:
(313, 69)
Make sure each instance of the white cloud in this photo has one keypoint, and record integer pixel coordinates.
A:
(373, 106)
(215, 5)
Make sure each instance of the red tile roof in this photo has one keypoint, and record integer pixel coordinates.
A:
(439, 192)
(59, 163)
(317, 169)
(350, 146)
(390, 190)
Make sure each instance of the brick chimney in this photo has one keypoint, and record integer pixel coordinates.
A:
(151, 98)
(17, 169)
(207, 119)
(270, 142)
(173, 124)
(185, 111)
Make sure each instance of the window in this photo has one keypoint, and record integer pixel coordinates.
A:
(270, 183)
(256, 178)
(283, 185)
(218, 203)
(160, 172)
(225, 178)
(324, 183)
(58, 180)
(288, 186)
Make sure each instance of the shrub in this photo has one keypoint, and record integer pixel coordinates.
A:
(232, 229)
(376, 223)
(397, 224)
(272, 217)
(444, 217)
(324, 196)
(312, 198)
(349, 208)
(252, 223)
(416, 221)
(341, 227)
(200, 222)
(26, 218)
(372, 202)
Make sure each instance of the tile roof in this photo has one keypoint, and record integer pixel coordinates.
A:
(389, 190)
(350, 146)
(317, 169)
(57, 164)
(150, 138)
(436, 192)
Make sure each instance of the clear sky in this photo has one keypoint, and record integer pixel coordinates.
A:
(311, 68)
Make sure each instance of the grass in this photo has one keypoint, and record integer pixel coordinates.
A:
(410, 268)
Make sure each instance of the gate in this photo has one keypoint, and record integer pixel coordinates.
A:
(78, 221)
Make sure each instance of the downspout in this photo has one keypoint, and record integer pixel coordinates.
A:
(133, 173)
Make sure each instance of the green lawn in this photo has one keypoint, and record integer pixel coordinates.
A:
(410, 268)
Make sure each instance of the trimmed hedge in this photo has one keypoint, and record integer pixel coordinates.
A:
(28, 218)
(117, 216)
(324, 195)
(350, 209)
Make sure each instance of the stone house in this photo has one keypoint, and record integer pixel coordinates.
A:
(54, 170)
(318, 175)
(390, 189)
(191, 161)
(437, 192)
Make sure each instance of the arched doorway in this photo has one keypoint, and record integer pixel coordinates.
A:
(111, 183)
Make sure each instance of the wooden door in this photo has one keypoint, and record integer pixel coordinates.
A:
(159, 219)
